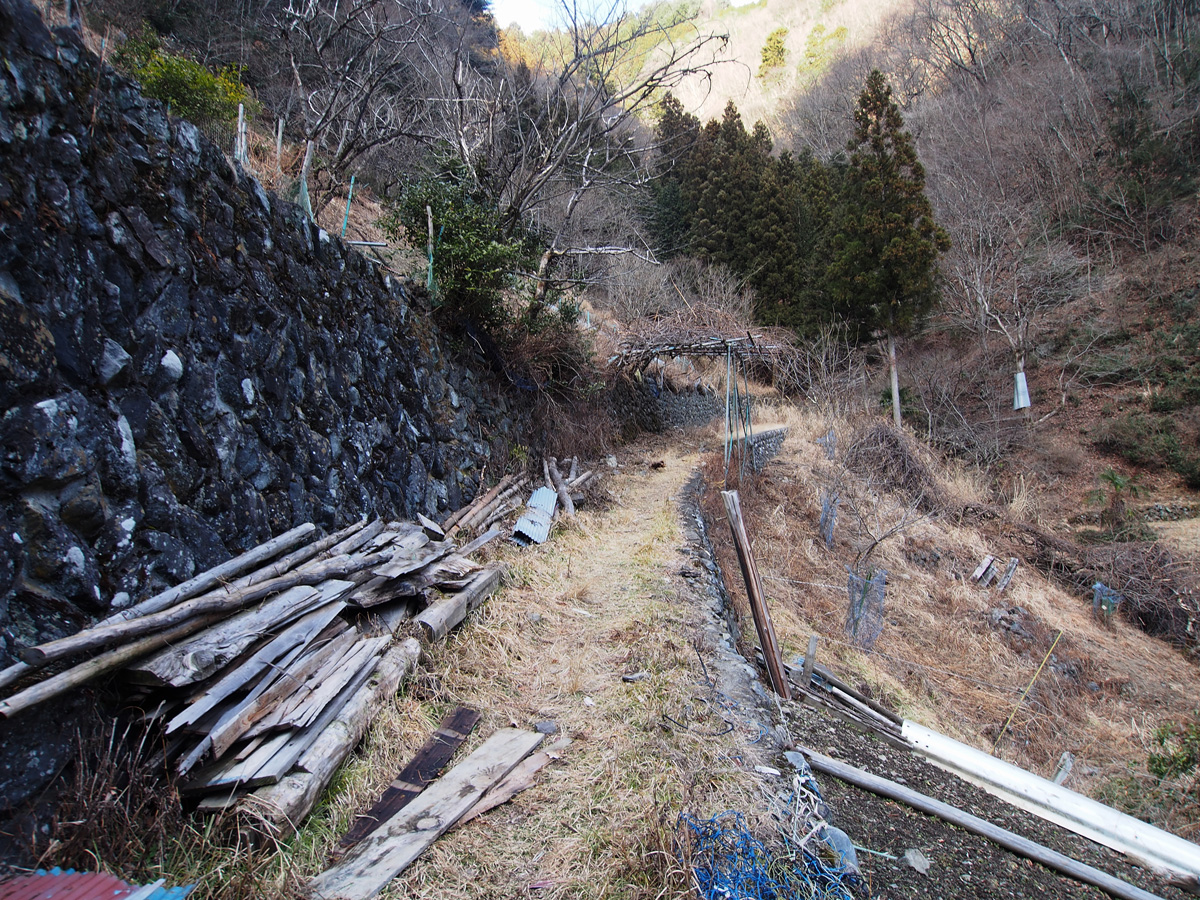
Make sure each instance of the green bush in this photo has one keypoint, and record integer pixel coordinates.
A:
(473, 259)
(193, 91)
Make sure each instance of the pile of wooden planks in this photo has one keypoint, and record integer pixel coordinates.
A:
(506, 497)
(271, 663)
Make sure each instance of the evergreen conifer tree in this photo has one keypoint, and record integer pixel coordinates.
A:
(882, 274)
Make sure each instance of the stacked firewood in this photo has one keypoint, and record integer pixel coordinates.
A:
(250, 665)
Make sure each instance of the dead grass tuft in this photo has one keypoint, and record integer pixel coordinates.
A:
(893, 460)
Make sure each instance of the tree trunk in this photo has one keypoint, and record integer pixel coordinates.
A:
(895, 377)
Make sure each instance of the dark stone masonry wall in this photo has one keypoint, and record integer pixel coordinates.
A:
(187, 365)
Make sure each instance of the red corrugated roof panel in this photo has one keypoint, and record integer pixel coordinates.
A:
(70, 885)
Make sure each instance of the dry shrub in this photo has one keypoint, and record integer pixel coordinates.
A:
(120, 808)
(891, 459)
(1159, 590)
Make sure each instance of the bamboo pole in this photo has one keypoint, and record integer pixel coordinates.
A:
(754, 590)
(72, 678)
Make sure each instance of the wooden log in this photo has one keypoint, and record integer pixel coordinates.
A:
(281, 807)
(1004, 838)
(498, 513)
(482, 514)
(314, 551)
(573, 472)
(212, 577)
(205, 654)
(102, 636)
(560, 486)
(452, 525)
(15, 672)
(72, 678)
(754, 590)
(438, 618)
(426, 765)
(382, 856)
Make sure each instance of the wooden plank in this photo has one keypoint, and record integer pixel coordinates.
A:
(981, 568)
(234, 773)
(1008, 575)
(382, 856)
(990, 574)
(283, 806)
(519, 779)
(1004, 838)
(247, 714)
(212, 577)
(213, 649)
(204, 748)
(438, 618)
(405, 563)
(306, 703)
(94, 638)
(432, 528)
(426, 765)
(754, 590)
(298, 634)
(810, 661)
(484, 539)
(283, 761)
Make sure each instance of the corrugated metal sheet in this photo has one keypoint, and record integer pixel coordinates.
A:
(57, 884)
(534, 524)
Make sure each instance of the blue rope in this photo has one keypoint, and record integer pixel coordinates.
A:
(729, 863)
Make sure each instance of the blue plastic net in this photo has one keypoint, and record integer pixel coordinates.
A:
(729, 863)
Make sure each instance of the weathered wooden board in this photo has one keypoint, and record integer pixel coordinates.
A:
(1013, 562)
(382, 856)
(982, 567)
(427, 763)
(519, 779)
(287, 684)
(296, 635)
(283, 806)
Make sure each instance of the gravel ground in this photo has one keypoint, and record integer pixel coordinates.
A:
(961, 864)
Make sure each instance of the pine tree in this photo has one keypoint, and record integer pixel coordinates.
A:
(883, 271)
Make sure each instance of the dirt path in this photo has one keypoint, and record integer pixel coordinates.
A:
(617, 594)
(604, 598)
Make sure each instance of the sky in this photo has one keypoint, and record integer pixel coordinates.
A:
(531, 15)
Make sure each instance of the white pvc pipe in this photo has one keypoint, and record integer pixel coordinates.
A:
(1151, 847)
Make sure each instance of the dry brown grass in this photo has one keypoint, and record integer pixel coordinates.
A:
(938, 660)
